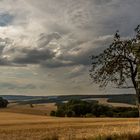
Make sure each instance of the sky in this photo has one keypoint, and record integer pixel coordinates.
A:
(45, 45)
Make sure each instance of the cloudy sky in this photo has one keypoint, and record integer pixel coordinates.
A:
(45, 45)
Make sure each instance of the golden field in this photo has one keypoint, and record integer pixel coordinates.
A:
(17, 126)
(37, 109)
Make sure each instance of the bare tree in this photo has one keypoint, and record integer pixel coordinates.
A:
(118, 63)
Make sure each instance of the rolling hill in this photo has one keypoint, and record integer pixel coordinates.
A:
(119, 98)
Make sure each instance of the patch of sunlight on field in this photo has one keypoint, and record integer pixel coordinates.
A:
(105, 102)
(36, 109)
(16, 126)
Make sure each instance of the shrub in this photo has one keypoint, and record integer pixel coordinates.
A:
(60, 113)
(53, 113)
(89, 115)
(70, 113)
(3, 103)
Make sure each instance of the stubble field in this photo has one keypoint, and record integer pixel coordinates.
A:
(15, 126)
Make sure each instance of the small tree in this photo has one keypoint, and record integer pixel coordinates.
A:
(118, 63)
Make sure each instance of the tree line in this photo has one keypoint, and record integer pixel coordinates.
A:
(79, 108)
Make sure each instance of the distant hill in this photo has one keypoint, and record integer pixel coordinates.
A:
(18, 97)
(21, 99)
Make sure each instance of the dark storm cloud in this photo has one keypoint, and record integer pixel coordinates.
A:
(78, 54)
(34, 56)
(73, 31)
(5, 62)
(39, 54)
(56, 63)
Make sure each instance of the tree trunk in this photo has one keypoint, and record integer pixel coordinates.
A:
(138, 103)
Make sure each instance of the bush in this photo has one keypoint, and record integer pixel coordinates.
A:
(3, 103)
(60, 113)
(89, 115)
(53, 113)
(101, 110)
(70, 113)
(129, 114)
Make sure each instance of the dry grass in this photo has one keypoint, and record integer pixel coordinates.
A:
(37, 109)
(105, 102)
(124, 136)
(16, 126)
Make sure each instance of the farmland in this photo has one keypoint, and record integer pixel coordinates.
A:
(15, 126)
(36, 109)
(32, 122)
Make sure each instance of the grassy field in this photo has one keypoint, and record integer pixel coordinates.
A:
(15, 126)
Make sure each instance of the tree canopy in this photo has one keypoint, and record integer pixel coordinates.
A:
(118, 63)
(79, 108)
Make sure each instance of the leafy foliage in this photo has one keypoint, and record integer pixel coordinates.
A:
(78, 108)
(3, 103)
(117, 63)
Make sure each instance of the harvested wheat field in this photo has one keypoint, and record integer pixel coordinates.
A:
(14, 126)
(36, 109)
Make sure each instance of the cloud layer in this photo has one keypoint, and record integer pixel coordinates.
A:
(52, 34)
